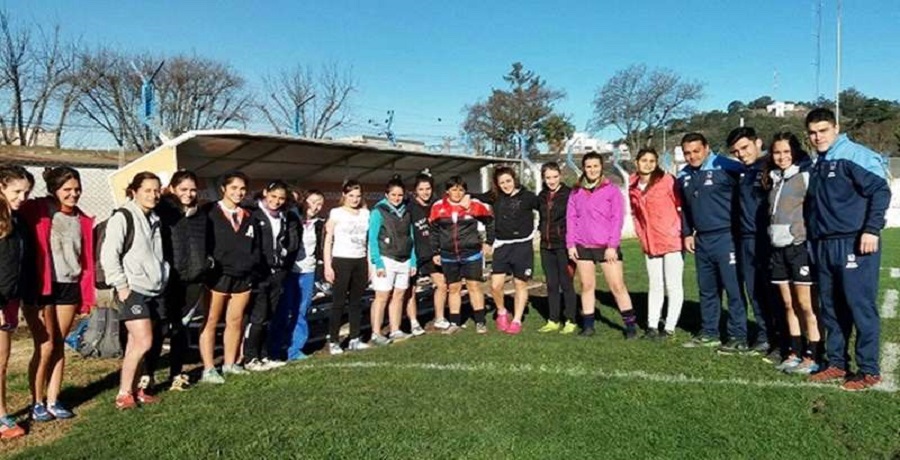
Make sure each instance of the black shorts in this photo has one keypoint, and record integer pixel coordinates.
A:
(139, 306)
(791, 264)
(62, 294)
(596, 255)
(455, 272)
(427, 268)
(516, 259)
(227, 284)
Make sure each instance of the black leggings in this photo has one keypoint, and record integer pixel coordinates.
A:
(265, 297)
(180, 298)
(556, 268)
(350, 281)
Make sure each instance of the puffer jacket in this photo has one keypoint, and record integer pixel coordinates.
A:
(184, 240)
(656, 211)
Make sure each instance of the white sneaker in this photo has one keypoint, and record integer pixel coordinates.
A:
(399, 336)
(335, 349)
(380, 340)
(358, 345)
(256, 365)
(234, 369)
(441, 324)
(417, 329)
(273, 363)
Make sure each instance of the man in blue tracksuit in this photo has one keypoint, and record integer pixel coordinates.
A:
(753, 252)
(846, 203)
(708, 186)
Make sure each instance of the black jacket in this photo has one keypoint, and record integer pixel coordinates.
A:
(553, 217)
(274, 249)
(12, 256)
(184, 240)
(422, 229)
(234, 252)
(513, 214)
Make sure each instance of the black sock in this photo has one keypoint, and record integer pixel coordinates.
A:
(454, 318)
(589, 321)
(629, 318)
(795, 344)
(479, 316)
(812, 350)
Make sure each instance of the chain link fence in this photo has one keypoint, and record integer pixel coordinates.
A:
(96, 197)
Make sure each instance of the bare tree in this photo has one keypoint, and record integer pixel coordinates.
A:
(638, 101)
(36, 77)
(191, 93)
(318, 101)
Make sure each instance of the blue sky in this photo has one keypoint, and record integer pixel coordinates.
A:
(426, 60)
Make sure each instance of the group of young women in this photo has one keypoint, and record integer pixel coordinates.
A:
(167, 256)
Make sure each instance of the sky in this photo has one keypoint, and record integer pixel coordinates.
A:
(426, 60)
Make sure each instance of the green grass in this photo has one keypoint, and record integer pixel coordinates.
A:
(531, 396)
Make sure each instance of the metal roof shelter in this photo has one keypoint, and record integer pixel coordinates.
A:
(308, 162)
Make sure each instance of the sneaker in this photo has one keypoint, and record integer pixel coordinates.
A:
(399, 336)
(39, 413)
(180, 382)
(441, 324)
(335, 349)
(702, 341)
(588, 332)
(358, 345)
(300, 356)
(451, 329)
(233, 369)
(379, 340)
(212, 376)
(651, 334)
(733, 347)
(273, 363)
(481, 328)
(789, 363)
(144, 398)
(774, 356)
(9, 429)
(514, 328)
(806, 366)
(569, 328)
(59, 411)
(255, 365)
(830, 374)
(861, 382)
(417, 329)
(124, 402)
(631, 332)
(551, 326)
(502, 321)
(665, 335)
(761, 348)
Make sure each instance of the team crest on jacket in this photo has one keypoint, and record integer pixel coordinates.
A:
(709, 177)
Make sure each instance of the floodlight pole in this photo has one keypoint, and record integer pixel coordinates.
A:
(837, 79)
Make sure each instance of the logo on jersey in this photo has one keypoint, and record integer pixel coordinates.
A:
(831, 167)
(709, 177)
(249, 233)
(804, 271)
(851, 261)
(137, 309)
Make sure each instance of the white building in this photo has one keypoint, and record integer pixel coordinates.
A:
(582, 143)
(780, 108)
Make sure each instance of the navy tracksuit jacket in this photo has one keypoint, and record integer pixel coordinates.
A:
(848, 196)
(709, 195)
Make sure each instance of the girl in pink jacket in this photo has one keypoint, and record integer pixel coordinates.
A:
(594, 217)
(656, 209)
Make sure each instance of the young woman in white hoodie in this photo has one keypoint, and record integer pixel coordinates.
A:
(138, 272)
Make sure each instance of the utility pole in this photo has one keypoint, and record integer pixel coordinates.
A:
(837, 79)
(298, 119)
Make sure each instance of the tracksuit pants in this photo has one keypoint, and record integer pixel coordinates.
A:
(848, 292)
(717, 269)
(754, 275)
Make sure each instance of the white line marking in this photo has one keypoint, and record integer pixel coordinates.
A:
(890, 357)
(579, 371)
(895, 272)
(889, 306)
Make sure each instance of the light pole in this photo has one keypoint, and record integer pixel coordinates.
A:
(837, 79)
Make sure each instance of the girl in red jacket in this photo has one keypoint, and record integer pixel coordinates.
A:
(656, 208)
(64, 283)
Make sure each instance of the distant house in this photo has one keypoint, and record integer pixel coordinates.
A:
(40, 137)
(781, 109)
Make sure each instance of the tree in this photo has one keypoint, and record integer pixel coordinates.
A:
(760, 103)
(36, 77)
(519, 110)
(638, 101)
(736, 107)
(555, 131)
(191, 93)
(319, 99)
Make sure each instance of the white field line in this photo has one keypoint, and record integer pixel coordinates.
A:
(890, 358)
(895, 272)
(889, 306)
(578, 371)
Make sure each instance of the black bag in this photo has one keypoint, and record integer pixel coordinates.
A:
(100, 235)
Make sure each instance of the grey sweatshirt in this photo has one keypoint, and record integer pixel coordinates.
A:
(65, 247)
(786, 206)
(142, 269)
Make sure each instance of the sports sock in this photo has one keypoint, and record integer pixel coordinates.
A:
(479, 316)
(589, 321)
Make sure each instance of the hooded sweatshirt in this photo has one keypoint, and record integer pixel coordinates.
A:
(594, 217)
(143, 268)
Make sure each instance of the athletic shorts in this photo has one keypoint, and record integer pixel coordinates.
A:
(427, 267)
(227, 284)
(10, 314)
(596, 255)
(396, 276)
(516, 259)
(62, 294)
(139, 306)
(791, 265)
(455, 272)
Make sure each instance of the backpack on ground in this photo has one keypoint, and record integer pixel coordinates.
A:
(100, 235)
(101, 337)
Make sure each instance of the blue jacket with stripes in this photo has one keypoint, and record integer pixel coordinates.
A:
(709, 195)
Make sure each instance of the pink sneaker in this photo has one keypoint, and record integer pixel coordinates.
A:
(503, 322)
(514, 328)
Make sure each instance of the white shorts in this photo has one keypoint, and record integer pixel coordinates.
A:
(396, 276)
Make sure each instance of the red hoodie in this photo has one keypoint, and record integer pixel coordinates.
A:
(36, 214)
(657, 215)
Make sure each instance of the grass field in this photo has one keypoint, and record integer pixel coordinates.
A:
(495, 396)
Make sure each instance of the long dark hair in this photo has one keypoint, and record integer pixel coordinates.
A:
(138, 180)
(550, 166)
(587, 157)
(177, 179)
(55, 178)
(9, 173)
(798, 155)
(657, 173)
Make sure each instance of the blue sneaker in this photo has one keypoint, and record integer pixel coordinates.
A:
(298, 357)
(39, 413)
(788, 364)
(806, 367)
(57, 410)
